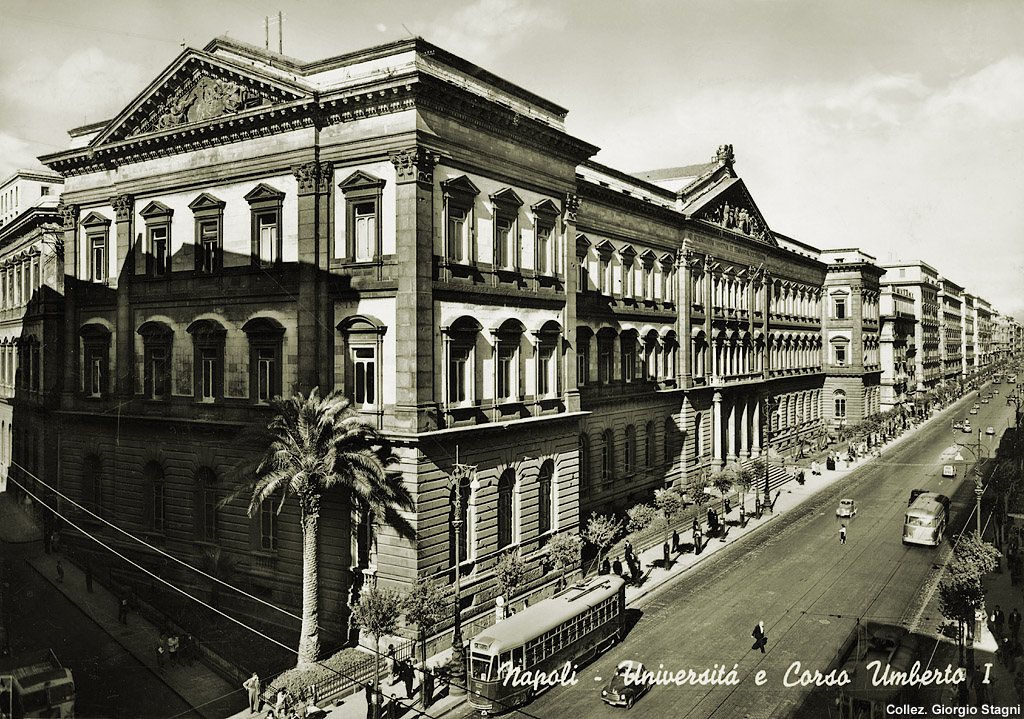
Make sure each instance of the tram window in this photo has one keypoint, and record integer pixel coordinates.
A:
(519, 656)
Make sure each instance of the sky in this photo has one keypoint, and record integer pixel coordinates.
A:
(893, 126)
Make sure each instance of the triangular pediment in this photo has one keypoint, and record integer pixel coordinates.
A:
(206, 201)
(199, 87)
(545, 207)
(360, 179)
(263, 191)
(460, 185)
(730, 205)
(156, 209)
(507, 197)
(93, 219)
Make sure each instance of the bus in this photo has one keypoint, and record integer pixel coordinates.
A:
(926, 519)
(36, 685)
(569, 628)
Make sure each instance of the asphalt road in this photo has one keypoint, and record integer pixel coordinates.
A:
(110, 682)
(796, 577)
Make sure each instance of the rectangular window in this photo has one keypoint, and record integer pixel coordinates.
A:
(627, 280)
(545, 371)
(365, 219)
(604, 362)
(364, 390)
(458, 234)
(583, 363)
(503, 241)
(840, 407)
(840, 356)
(506, 371)
(208, 373)
(458, 375)
(98, 257)
(158, 257)
(266, 374)
(209, 246)
(268, 238)
(158, 372)
(210, 500)
(604, 277)
(544, 264)
(159, 508)
(268, 526)
(840, 308)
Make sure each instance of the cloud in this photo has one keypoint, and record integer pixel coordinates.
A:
(487, 28)
(16, 154)
(89, 85)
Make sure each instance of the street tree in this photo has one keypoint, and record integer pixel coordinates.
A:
(313, 445)
(723, 483)
(959, 599)
(601, 531)
(509, 573)
(698, 490)
(745, 479)
(639, 517)
(427, 604)
(377, 612)
(563, 553)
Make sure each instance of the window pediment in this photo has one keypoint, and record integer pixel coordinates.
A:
(460, 186)
(360, 180)
(155, 330)
(582, 245)
(206, 201)
(206, 329)
(545, 208)
(507, 199)
(263, 193)
(362, 324)
(156, 210)
(606, 249)
(95, 219)
(263, 326)
(94, 330)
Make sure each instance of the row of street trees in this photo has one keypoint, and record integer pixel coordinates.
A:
(962, 594)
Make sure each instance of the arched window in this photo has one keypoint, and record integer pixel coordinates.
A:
(153, 478)
(668, 441)
(584, 462)
(698, 434)
(607, 456)
(839, 398)
(649, 446)
(629, 455)
(544, 507)
(206, 514)
(459, 341)
(508, 383)
(506, 483)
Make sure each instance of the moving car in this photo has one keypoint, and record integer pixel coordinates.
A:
(984, 400)
(948, 470)
(958, 424)
(990, 430)
(847, 508)
(967, 429)
(974, 410)
(622, 693)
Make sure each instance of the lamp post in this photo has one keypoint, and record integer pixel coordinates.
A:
(460, 473)
(771, 405)
(978, 488)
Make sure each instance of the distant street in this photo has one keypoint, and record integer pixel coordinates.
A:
(110, 683)
(795, 576)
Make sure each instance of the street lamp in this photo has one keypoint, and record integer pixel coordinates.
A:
(457, 686)
(771, 406)
(978, 489)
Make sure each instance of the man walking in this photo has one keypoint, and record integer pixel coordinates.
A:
(842, 534)
(1015, 623)
(760, 640)
(252, 685)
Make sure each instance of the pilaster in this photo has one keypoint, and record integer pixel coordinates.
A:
(570, 206)
(69, 228)
(313, 316)
(124, 234)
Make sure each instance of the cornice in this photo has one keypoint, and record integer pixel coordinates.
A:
(596, 193)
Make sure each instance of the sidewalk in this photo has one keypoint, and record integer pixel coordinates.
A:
(198, 685)
(999, 591)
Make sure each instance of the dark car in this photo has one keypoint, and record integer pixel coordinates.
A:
(622, 693)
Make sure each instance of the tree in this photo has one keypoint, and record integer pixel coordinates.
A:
(723, 483)
(601, 531)
(426, 605)
(639, 517)
(313, 445)
(959, 599)
(669, 502)
(745, 479)
(509, 573)
(758, 468)
(698, 490)
(377, 611)
(564, 552)
(972, 556)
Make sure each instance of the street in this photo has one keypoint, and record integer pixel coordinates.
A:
(794, 575)
(110, 683)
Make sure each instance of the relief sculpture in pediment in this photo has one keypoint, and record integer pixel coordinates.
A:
(204, 98)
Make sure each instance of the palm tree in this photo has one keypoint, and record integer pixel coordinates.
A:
(314, 445)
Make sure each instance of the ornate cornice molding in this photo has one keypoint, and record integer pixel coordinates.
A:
(415, 164)
(570, 206)
(314, 177)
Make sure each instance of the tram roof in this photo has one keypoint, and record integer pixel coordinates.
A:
(546, 614)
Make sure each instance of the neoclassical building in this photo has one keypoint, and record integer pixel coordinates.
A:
(921, 282)
(897, 351)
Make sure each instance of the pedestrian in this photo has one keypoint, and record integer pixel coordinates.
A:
(161, 653)
(55, 541)
(279, 706)
(998, 619)
(394, 708)
(427, 686)
(499, 608)
(189, 650)
(696, 525)
(60, 571)
(617, 567)
(88, 577)
(842, 534)
(252, 685)
(173, 644)
(760, 639)
(122, 608)
(606, 567)
(392, 667)
(408, 678)
(1015, 623)
(368, 691)
(627, 552)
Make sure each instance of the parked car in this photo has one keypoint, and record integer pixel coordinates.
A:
(990, 430)
(847, 508)
(619, 692)
(949, 470)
